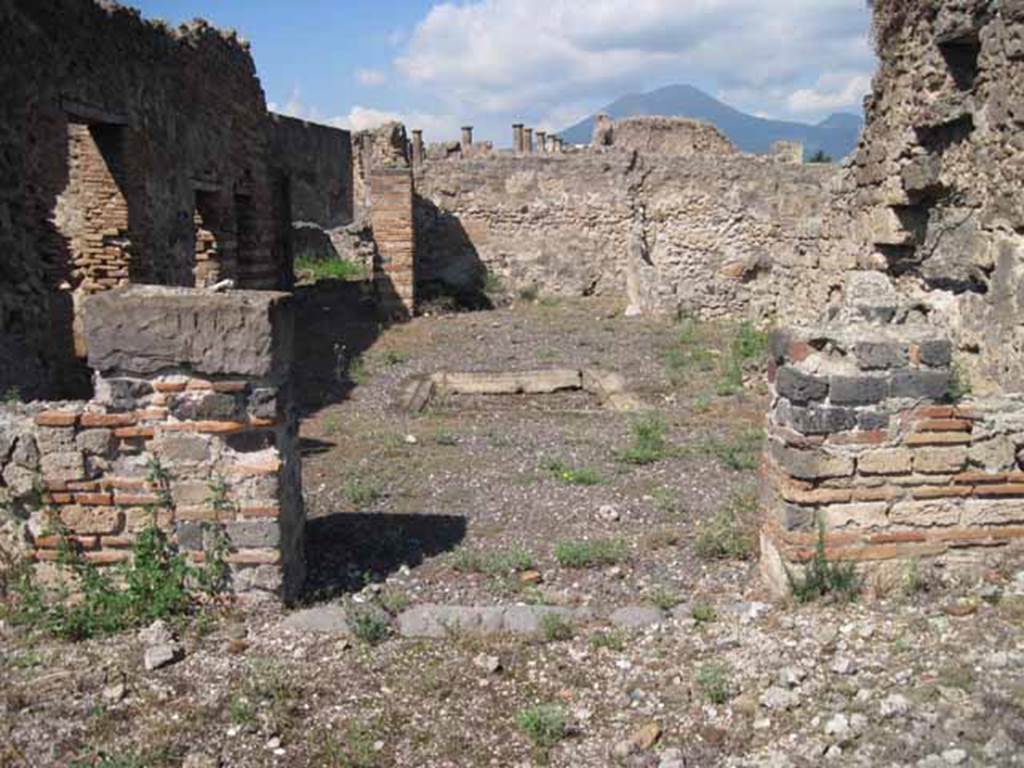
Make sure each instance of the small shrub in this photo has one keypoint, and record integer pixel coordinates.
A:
(314, 270)
(703, 613)
(393, 357)
(572, 475)
(363, 492)
(555, 628)
(588, 554)
(649, 444)
(824, 578)
(393, 601)
(666, 599)
(613, 640)
(529, 294)
(715, 681)
(495, 563)
(728, 535)
(368, 625)
(544, 724)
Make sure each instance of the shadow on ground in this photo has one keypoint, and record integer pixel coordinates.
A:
(345, 550)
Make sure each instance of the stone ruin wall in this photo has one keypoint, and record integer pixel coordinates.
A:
(673, 136)
(123, 139)
(871, 435)
(711, 235)
(194, 383)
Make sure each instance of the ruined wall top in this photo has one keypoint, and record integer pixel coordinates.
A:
(675, 136)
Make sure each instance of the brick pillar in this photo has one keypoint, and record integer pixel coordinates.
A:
(542, 142)
(467, 137)
(517, 138)
(196, 385)
(528, 141)
(391, 213)
(417, 146)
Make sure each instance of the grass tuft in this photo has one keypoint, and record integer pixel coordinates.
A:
(589, 554)
(729, 534)
(544, 724)
(313, 270)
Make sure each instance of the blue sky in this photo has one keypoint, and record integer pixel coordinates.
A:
(438, 65)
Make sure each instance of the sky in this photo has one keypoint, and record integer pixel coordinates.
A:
(547, 63)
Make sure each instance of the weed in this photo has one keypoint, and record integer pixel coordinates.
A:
(363, 492)
(649, 444)
(750, 345)
(213, 577)
(332, 425)
(730, 377)
(160, 479)
(660, 538)
(665, 598)
(494, 563)
(823, 577)
(572, 475)
(550, 302)
(267, 698)
(820, 156)
(554, 628)
(588, 554)
(702, 404)
(12, 396)
(666, 501)
(613, 640)
(740, 452)
(703, 613)
(393, 357)
(715, 681)
(355, 749)
(368, 625)
(393, 601)
(543, 724)
(356, 370)
(493, 284)
(959, 383)
(314, 270)
(111, 761)
(728, 535)
(444, 437)
(529, 294)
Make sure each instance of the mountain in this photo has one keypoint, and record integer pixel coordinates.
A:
(836, 136)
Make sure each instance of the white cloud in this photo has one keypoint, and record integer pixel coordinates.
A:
(371, 77)
(832, 92)
(435, 127)
(531, 57)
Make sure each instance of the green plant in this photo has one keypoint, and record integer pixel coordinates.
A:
(493, 563)
(959, 383)
(314, 270)
(213, 577)
(613, 640)
(730, 377)
(363, 492)
(703, 613)
(160, 480)
(368, 625)
(587, 554)
(728, 535)
(555, 628)
(740, 452)
(822, 577)
(544, 724)
(394, 601)
(666, 501)
(266, 698)
(12, 395)
(649, 444)
(530, 293)
(393, 357)
(353, 749)
(715, 681)
(444, 437)
(665, 598)
(493, 284)
(571, 475)
(356, 370)
(750, 344)
(820, 156)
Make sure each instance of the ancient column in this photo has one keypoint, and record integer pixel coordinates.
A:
(542, 141)
(467, 136)
(528, 141)
(417, 146)
(517, 137)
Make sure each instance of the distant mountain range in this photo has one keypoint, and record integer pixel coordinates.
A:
(836, 136)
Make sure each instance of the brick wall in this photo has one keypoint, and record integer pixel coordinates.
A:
(210, 409)
(391, 195)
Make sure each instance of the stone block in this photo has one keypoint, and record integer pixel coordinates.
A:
(214, 406)
(937, 353)
(810, 464)
(920, 384)
(816, 419)
(144, 330)
(857, 390)
(190, 535)
(940, 461)
(26, 452)
(800, 387)
(872, 421)
(887, 461)
(92, 520)
(190, 493)
(121, 394)
(55, 439)
(881, 355)
(63, 466)
(856, 516)
(183, 448)
(97, 442)
(996, 454)
(925, 513)
(253, 534)
(262, 403)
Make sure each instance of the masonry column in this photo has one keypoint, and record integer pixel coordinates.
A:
(517, 137)
(528, 141)
(391, 213)
(417, 146)
(542, 141)
(467, 137)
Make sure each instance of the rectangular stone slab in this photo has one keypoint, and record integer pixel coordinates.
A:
(523, 382)
(143, 330)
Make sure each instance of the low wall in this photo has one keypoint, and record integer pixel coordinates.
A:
(867, 450)
(191, 427)
(712, 236)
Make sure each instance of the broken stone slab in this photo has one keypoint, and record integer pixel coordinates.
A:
(322, 619)
(440, 621)
(416, 395)
(637, 617)
(512, 383)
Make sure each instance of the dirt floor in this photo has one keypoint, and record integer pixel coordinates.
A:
(545, 500)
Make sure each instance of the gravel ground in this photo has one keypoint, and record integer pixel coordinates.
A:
(458, 505)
